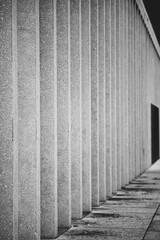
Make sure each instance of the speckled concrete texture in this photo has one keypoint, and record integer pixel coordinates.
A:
(108, 122)
(101, 77)
(86, 106)
(76, 156)
(94, 104)
(113, 96)
(118, 92)
(48, 109)
(63, 116)
(6, 123)
(28, 121)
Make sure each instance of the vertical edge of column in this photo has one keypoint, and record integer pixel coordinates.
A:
(15, 120)
(118, 97)
(113, 95)
(126, 92)
(108, 120)
(38, 231)
(122, 96)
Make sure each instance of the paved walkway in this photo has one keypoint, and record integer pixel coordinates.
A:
(132, 214)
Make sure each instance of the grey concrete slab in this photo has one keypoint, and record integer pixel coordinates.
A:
(154, 226)
(122, 209)
(116, 220)
(152, 235)
(102, 233)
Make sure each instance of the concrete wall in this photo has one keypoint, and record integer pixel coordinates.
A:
(77, 81)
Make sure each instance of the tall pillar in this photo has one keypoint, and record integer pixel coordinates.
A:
(75, 85)
(86, 105)
(134, 91)
(129, 90)
(28, 67)
(113, 95)
(94, 103)
(8, 124)
(102, 140)
(122, 94)
(118, 96)
(48, 97)
(63, 114)
(126, 96)
(108, 121)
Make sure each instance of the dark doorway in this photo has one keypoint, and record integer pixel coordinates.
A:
(155, 133)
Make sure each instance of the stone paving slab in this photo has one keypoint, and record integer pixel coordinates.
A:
(115, 220)
(152, 236)
(102, 233)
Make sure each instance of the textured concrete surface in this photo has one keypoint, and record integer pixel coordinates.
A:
(94, 104)
(76, 155)
(28, 121)
(113, 96)
(108, 98)
(48, 120)
(101, 79)
(6, 144)
(86, 106)
(63, 116)
(129, 214)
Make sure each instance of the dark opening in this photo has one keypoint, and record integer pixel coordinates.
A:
(155, 133)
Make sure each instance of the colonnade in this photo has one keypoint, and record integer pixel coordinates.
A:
(77, 81)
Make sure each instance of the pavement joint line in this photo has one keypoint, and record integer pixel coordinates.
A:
(151, 222)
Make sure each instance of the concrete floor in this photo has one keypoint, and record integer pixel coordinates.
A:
(132, 214)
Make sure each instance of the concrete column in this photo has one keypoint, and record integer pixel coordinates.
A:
(8, 124)
(148, 104)
(108, 120)
(28, 67)
(130, 89)
(126, 94)
(122, 25)
(48, 85)
(133, 88)
(76, 138)
(113, 95)
(20, 117)
(94, 103)
(136, 92)
(63, 114)
(139, 95)
(101, 75)
(86, 105)
(118, 94)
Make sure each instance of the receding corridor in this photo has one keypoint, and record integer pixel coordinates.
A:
(79, 119)
(132, 214)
